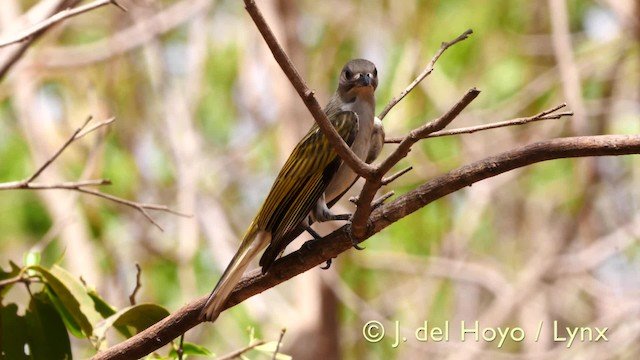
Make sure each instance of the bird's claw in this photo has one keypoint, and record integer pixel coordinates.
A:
(327, 265)
(354, 241)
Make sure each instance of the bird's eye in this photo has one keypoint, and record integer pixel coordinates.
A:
(348, 74)
(375, 72)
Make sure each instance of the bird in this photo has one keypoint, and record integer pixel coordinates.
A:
(312, 179)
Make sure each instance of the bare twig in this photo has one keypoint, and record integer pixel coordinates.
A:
(71, 185)
(12, 56)
(143, 30)
(180, 350)
(132, 297)
(62, 15)
(424, 73)
(80, 186)
(60, 150)
(236, 354)
(379, 201)
(545, 115)
(141, 207)
(275, 352)
(23, 277)
(387, 180)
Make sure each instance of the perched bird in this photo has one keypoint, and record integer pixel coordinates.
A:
(312, 179)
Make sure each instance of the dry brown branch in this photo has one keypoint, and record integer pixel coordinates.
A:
(141, 32)
(237, 353)
(275, 352)
(308, 257)
(80, 186)
(424, 73)
(132, 297)
(62, 15)
(544, 115)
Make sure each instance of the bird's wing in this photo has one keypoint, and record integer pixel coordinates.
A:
(302, 181)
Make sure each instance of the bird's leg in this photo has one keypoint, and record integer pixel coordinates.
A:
(316, 237)
(322, 213)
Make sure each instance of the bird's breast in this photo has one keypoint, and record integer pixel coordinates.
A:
(345, 177)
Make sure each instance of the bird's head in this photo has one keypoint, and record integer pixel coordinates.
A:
(359, 77)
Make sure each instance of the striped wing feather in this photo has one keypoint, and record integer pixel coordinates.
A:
(301, 182)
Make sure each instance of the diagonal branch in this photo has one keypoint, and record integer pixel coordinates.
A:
(80, 186)
(56, 18)
(308, 257)
(544, 115)
(360, 167)
(424, 73)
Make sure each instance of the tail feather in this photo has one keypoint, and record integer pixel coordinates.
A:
(254, 241)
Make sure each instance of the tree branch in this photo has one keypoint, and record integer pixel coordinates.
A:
(62, 15)
(544, 115)
(80, 186)
(424, 73)
(340, 240)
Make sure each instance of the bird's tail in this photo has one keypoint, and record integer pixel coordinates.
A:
(252, 243)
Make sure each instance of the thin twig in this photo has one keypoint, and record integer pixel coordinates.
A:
(132, 297)
(389, 179)
(22, 185)
(545, 115)
(235, 354)
(95, 127)
(60, 150)
(180, 350)
(275, 352)
(22, 277)
(64, 14)
(28, 184)
(14, 54)
(379, 201)
(141, 207)
(424, 73)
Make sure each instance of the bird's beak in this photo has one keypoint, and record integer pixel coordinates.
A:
(365, 80)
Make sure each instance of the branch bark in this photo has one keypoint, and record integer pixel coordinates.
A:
(340, 240)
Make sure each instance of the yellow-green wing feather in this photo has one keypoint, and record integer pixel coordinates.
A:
(303, 179)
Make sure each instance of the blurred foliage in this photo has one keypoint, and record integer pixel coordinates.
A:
(205, 118)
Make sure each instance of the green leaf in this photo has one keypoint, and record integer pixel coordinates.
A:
(68, 319)
(139, 316)
(107, 310)
(69, 293)
(13, 333)
(48, 338)
(191, 349)
(32, 258)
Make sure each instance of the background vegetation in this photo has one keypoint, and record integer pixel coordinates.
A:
(205, 118)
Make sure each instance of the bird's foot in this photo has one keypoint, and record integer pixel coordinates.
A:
(327, 265)
(354, 242)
